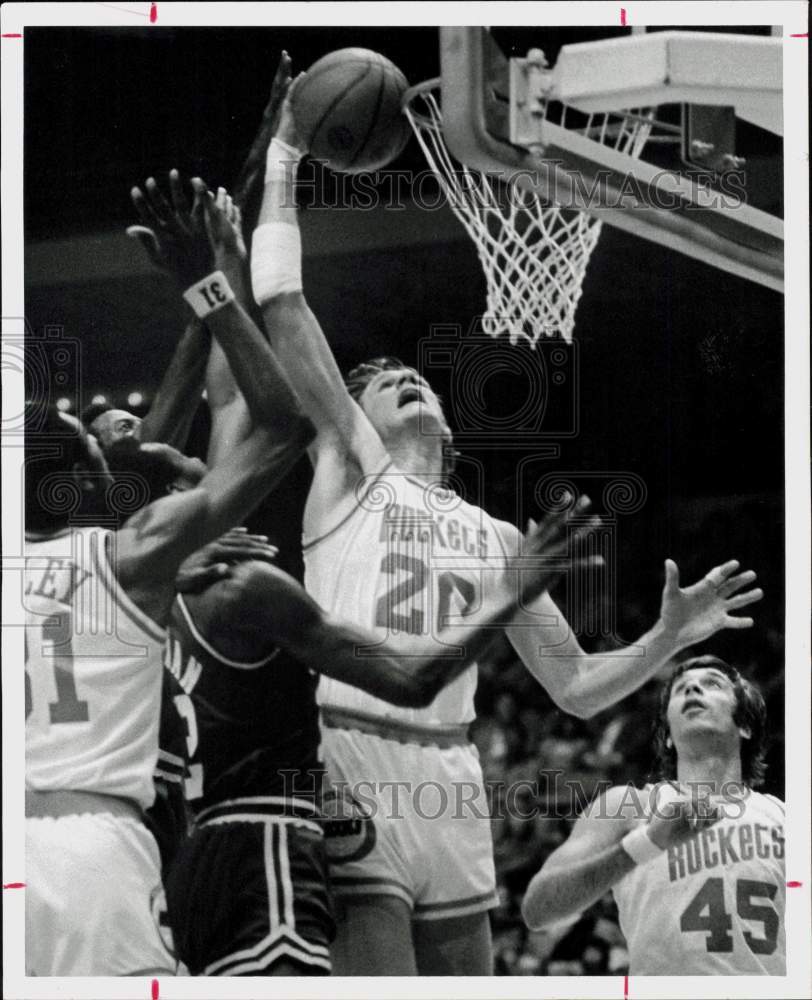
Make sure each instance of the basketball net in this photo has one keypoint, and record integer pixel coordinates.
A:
(534, 253)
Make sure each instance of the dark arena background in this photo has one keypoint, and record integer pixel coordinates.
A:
(675, 383)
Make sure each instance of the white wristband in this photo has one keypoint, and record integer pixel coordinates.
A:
(276, 260)
(282, 161)
(209, 294)
(640, 847)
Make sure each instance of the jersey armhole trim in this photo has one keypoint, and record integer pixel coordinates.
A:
(101, 556)
(776, 801)
(308, 546)
(207, 646)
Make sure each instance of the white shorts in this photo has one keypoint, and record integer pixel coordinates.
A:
(426, 841)
(93, 898)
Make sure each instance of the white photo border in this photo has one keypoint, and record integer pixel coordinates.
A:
(792, 17)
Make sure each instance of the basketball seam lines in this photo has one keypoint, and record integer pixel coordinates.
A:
(310, 76)
(337, 100)
(373, 121)
(384, 124)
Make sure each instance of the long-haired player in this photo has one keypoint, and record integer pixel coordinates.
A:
(696, 861)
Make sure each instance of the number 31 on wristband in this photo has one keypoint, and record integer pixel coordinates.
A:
(209, 294)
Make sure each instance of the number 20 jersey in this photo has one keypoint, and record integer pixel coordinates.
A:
(93, 671)
(407, 559)
(713, 904)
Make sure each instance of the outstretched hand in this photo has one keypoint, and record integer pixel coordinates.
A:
(558, 543)
(693, 614)
(223, 224)
(214, 562)
(173, 233)
(189, 241)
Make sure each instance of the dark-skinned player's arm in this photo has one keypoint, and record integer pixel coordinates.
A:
(230, 414)
(344, 438)
(155, 541)
(270, 605)
(612, 837)
(193, 240)
(413, 678)
(250, 181)
(215, 561)
(197, 362)
(173, 408)
(230, 418)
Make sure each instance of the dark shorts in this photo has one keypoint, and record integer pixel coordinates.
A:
(249, 891)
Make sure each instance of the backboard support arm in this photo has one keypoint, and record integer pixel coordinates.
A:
(566, 166)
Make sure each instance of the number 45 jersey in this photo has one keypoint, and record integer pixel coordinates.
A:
(713, 904)
(92, 674)
(408, 559)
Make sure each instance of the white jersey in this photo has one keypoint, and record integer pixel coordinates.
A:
(406, 560)
(714, 904)
(92, 672)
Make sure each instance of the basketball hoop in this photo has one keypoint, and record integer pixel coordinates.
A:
(534, 253)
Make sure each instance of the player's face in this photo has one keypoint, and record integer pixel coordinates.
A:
(702, 701)
(401, 395)
(115, 425)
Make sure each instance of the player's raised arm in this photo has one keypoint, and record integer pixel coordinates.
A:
(230, 417)
(587, 864)
(584, 684)
(294, 330)
(411, 677)
(266, 601)
(173, 409)
(154, 542)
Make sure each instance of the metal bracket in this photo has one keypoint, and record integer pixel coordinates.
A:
(709, 138)
(531, 80)
(743, 241)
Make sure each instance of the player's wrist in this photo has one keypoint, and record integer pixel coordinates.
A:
(661, 642)
(235, 268)
(639, 846)
(282, 160)
(209, 295)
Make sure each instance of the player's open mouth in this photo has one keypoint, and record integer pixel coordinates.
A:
(692, 703)
(410, 395)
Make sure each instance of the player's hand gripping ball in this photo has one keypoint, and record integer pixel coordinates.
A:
(348, 110)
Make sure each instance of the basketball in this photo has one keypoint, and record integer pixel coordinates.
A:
(348, 106)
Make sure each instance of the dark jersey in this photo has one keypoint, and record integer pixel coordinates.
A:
(168, 816)
(254, 728)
